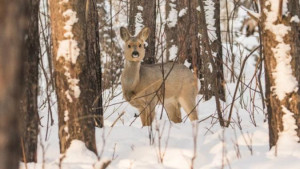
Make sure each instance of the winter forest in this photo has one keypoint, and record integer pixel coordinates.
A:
(149, 84)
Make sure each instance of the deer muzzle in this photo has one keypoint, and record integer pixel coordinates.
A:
(135, 54)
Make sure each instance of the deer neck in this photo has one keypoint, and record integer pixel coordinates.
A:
(131, 75)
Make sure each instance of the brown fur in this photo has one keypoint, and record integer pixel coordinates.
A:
(143, 87)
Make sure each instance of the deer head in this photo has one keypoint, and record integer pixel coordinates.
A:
(134, 48)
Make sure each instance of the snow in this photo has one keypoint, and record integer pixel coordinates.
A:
(210, 21)
(182, 12)
(69, 51)
(295, 19)
(139, 20)
(66, 118)
(172, 17)
(173, 52)
(287, 144)
(140, 8)
(77, 152)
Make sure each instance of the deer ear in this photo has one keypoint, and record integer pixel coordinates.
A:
(144, 34)
(125, 35)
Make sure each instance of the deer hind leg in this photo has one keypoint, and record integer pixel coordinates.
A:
(188, 102)
(147, 113)
(173, 110)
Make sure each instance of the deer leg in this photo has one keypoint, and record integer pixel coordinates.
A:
(189, 106)
(173, 110)
(147, 114)
(143, 115)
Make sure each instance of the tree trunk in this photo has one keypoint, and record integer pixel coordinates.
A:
(207, 37)
(217, 49)
(72, 63)
(204, 72)
(215, 43)
(12, 19)
(28, 107)
(111, 51)
(187, 33)
(294, 8)
(143, 13)
(92, 72)
(282, 101)
(183, 27)
(171, 29)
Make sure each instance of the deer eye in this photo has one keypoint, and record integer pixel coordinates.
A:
(140, 45)
(129, 46)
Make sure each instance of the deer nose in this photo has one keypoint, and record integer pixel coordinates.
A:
(135, 54)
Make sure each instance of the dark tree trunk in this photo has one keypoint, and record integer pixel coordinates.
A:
(187, 32)
(92, 72)
(193, 52)
(12, 19)
(210, 54)
(73, 74)
(147, 10)
(294, 8)
(215, 45)
(217, 48)
(204, 73)
(170, 31)
(111, 51)
(183, 36)
(28, 107)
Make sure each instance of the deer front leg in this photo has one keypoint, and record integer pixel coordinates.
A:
(147, 114)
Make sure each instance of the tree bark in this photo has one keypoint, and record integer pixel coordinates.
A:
(75, 93)
(205, 63)
(217, 48)
(170, 30)
(183, 36)
(207, 49)
(277, 107)
(28, 107)
(294, 8)
(204, 72)
(111, 52)
(143, 12)
(92, 72)
(12, 19)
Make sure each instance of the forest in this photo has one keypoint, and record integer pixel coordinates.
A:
(149, 84)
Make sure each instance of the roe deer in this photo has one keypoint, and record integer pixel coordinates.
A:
(144, 85)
